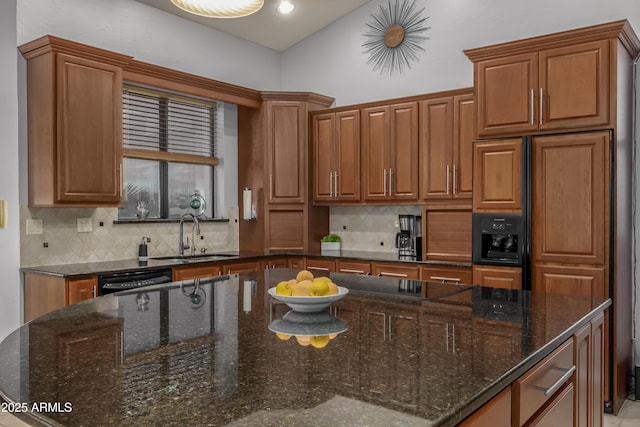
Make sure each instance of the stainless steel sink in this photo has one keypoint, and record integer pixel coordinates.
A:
(189, 258)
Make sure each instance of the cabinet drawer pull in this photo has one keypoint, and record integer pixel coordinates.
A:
(447, 180)
(384, 182)
(540, 102)
(385, 273)
(567, 374)
(348, 270)
(531, 109)
(445, 279)
(318, 268)
(454, 179)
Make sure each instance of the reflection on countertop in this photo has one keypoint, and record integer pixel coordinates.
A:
(202, 353)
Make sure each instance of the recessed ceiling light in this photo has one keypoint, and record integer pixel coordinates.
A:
(285, 7)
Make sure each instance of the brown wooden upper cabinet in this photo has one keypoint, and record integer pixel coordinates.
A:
(497, 176)
(447, 131)
(336, 151)
(556, 82)
(74, 107)
(390, 152)
(286, 138)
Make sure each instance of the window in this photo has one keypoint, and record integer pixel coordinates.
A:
(169, 155)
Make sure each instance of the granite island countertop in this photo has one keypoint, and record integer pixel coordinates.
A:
(117, 266)
(217, 353)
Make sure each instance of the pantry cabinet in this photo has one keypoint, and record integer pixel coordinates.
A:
(447, 130)
(74, 109)
(390, 152)
(336, 154)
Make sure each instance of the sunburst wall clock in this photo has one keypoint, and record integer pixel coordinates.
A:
(394, 36)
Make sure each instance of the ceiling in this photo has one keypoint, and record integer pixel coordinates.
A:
(269, 28)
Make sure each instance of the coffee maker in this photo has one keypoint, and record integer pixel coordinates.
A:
(409, 238)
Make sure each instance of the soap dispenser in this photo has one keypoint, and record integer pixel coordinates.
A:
(142, 249)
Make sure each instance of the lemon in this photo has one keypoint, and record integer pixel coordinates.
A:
(319, 288)
(323, 278)
(304, 275)
(302, 289)
(333, 289)
(319, 341)
(303, 340)
(283, 337)
(283, 288)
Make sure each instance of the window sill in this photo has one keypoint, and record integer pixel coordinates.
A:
(165, 220)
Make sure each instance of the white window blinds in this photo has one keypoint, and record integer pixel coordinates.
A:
(162, 126)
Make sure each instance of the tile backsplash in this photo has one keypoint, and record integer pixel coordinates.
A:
(111, 241)
(368, 228)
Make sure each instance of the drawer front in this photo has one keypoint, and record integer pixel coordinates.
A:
(354, 267)
(320, 266)
(535, 388)
(396, 271)
(457, 275)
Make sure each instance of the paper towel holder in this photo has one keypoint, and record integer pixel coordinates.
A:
(249, 212)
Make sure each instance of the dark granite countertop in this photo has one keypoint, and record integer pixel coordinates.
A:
(92, 268)
(185, 355)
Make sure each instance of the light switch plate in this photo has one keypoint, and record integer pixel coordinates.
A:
(34, 226)
(84, 225)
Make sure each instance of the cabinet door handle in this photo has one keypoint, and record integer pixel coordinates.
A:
(348, 270)
(384, 182)
(330, 184)
(567, 374)
(335, 187)
(532, 108)
(540, 105)
(454, 179)
(447, 180)
(385, 273)
(95, 291)
(318, 268)
(390, 182)
(445, 279)
(270, 186)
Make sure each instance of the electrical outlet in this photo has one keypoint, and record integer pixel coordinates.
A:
(84, 225)
(34, 226)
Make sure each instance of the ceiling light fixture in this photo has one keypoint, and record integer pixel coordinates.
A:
(220, 8)
(285, 7)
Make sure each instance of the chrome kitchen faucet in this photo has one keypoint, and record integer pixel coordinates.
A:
(195, 230)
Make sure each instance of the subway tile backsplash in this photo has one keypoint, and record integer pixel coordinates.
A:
(366, 228)
(111, 241)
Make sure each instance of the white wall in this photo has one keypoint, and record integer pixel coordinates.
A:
(331, 62)
(9, 236)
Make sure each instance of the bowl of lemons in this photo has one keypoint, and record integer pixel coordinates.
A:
(314, 329)
(306, 293)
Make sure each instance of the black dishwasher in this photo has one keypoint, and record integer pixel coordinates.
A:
(116, 282)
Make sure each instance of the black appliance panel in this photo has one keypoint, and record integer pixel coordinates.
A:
(498, 239)
(116, 282)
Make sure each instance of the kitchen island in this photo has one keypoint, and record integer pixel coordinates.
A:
(217, 352)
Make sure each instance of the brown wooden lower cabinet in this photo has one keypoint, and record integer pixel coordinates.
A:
(497, 277)
(276, 263)
(44, 293)
(196, 272)
(496, 413)
(457, 275)
(242, 267)
(396, 270)
(353, 267)
(319, 266)
(296, 263)
(570, 280)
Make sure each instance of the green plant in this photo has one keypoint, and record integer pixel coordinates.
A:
(331, 238)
